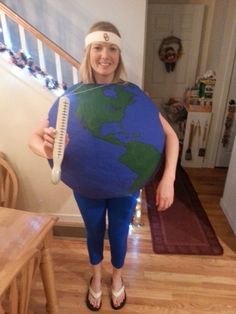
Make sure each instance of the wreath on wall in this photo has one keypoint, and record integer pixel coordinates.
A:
(170, 51)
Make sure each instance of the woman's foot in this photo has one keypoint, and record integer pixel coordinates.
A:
(118, 294)
(94, 295)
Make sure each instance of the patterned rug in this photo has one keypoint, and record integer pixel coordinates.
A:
(184, 228)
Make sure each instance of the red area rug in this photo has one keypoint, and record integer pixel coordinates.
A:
(184, 228)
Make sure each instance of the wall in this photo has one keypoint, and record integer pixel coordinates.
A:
(217, 34)
(225, 66)
(213, 29)
(67, 22)
(23, 103)
(228, 200)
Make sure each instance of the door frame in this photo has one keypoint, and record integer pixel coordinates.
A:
(223, 79)
(220, 161)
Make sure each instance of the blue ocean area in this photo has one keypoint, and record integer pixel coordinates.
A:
(92, 163)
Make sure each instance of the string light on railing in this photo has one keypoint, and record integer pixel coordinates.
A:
(51, 83)
(2, 47)
(136, 220)
(25, 61)
(58, 92)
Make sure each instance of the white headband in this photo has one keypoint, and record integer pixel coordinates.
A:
(107, 37)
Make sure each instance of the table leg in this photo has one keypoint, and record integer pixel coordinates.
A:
(47, 274)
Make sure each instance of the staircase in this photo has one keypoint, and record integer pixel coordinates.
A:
(25, 98)
(38, 56)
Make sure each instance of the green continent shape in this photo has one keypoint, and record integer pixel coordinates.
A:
(97, 109)
(142, 159)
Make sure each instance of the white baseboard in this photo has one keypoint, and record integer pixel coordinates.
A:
(68, 218)
(230, 219)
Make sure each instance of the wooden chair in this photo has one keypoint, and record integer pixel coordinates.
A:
(8, 184)
(16, 282)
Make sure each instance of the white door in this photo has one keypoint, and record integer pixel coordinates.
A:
(229, 128)
(184, 22)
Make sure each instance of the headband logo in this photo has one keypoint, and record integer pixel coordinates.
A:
(106, 37)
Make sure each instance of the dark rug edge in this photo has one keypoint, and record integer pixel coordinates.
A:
(214, 248)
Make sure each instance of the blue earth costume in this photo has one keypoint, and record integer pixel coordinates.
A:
(115, 147)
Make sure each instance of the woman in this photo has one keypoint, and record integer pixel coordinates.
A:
(103, 64)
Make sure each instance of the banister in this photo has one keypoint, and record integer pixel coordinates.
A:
(39, 35)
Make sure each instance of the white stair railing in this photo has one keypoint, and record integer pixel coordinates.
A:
(71, 64)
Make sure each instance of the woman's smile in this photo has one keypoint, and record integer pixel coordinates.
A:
(104, 60)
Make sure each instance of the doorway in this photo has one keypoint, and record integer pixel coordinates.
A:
(182, 21)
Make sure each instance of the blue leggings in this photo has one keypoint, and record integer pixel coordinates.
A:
(120, 211)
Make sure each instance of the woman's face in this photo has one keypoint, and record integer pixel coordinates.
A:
(104, 59)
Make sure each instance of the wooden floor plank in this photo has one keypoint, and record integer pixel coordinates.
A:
(166, 284)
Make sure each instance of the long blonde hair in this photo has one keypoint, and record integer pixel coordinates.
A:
(86, 73)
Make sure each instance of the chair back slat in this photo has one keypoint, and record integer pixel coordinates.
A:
(8, 184)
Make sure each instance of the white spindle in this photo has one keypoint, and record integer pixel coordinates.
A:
(75, 75)
(41, 55)
(22, 40)
(6, 34)
(58, 68)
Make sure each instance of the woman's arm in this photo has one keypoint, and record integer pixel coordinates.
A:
(165, 189)
(42, 140)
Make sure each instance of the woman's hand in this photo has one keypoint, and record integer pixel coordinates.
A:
(165, 194)
(42, 140)
(49, 135)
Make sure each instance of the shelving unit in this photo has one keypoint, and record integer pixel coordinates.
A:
(198, 103)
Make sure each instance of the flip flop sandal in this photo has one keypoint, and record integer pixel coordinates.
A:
(95, 295)
(117, 294)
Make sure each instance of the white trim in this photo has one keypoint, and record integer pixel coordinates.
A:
(223, 78)
(75, 75)
(6, 34)
(230, 219)
(58, 68)
(67, 217)
(228, 199)
(145, 45)
(41, 55)
(23, 40)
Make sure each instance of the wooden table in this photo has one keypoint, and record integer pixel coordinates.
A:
(22, 235)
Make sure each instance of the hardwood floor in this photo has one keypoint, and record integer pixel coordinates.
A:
(165, 284)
